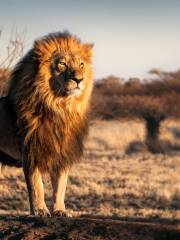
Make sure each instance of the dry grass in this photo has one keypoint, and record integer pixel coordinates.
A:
(109, 135)
(109, 182)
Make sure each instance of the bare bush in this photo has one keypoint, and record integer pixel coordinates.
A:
(14, 50)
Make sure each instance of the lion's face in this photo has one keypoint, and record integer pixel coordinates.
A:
(65, 66)
(68, 71)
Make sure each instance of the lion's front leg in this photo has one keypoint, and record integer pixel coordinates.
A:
(35, 190)
(59, 182)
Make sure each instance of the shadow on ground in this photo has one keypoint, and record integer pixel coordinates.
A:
(163, 146)
(87, 227)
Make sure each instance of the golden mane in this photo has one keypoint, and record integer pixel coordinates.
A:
(58, 42)
(53, 129)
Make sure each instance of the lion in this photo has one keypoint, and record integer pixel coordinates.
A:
(44, 117)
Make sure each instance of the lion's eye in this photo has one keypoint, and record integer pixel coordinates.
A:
(81, 65)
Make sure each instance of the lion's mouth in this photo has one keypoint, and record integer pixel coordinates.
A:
(73, 88)
(74, 92)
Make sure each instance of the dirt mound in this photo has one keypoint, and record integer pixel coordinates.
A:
(25, 227)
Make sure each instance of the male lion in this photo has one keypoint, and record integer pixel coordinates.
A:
(44, 116)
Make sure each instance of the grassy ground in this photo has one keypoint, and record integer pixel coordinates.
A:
(109, 182)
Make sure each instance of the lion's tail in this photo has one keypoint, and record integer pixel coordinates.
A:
(9, 161)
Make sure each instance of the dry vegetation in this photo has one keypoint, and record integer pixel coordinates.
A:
(152, 101)
(14, 50)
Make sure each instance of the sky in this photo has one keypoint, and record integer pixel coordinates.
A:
(130, 37)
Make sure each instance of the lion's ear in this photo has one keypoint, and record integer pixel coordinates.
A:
(87, 51)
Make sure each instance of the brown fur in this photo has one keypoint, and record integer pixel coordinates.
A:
(51, 126)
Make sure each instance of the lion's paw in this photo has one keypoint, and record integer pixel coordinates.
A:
(61, 213)
(42, 212)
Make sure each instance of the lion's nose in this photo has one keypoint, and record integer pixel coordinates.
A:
(77, 79)
(76, 76)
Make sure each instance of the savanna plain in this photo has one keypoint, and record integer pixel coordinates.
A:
(118, 191)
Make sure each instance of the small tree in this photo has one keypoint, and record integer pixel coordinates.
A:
(152, 123)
